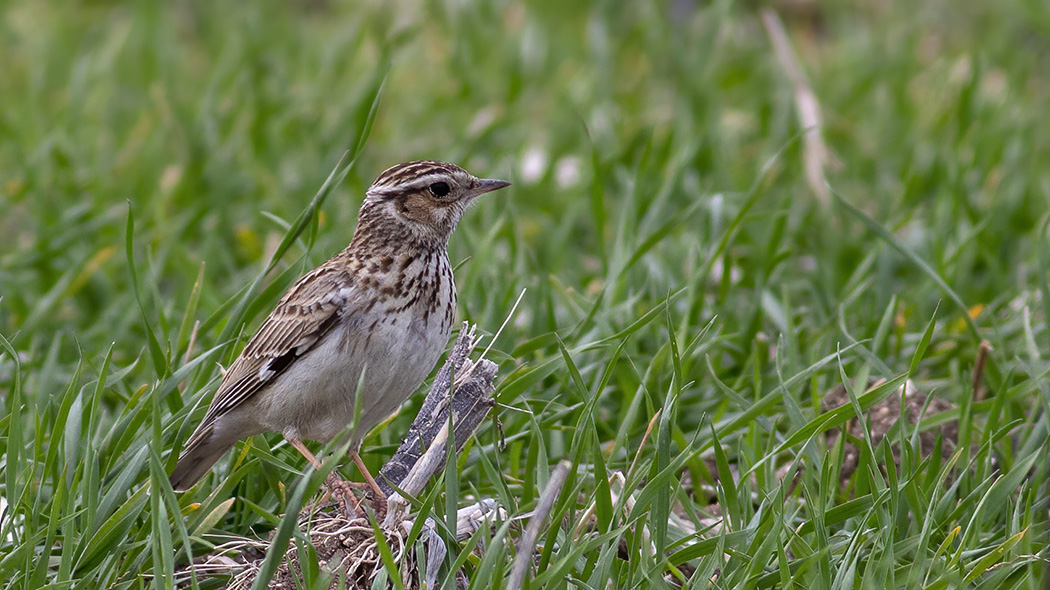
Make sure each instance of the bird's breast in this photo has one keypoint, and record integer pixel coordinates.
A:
(388, 342)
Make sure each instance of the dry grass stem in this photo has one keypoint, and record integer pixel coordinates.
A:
(815, 154)
(527, 544)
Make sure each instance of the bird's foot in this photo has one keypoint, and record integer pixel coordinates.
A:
(379, 504)
(343, 493)
(378, 497)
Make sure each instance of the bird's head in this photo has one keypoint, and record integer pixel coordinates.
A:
(426, 196)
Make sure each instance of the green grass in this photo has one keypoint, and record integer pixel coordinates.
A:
(155, 156)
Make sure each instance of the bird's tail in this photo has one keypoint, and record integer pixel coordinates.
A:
(196, 459)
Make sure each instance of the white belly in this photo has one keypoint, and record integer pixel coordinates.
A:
(315, 398)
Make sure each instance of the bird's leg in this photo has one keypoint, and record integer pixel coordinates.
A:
(339, 487)
(299, 446)
(372, 484)
(377, 494)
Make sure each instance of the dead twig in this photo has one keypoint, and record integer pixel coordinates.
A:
(527, 544)
(422, 452)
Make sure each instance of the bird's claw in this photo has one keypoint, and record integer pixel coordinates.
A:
(342, 491)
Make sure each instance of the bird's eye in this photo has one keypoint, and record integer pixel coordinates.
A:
(439, 189)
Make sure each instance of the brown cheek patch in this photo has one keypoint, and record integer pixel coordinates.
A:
(417, 208)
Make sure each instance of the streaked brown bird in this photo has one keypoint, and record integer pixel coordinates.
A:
(374, 318)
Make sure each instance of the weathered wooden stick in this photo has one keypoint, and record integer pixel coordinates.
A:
(422, 453)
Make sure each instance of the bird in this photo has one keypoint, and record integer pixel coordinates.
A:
(371, 321)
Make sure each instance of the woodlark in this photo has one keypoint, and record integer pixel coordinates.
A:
(374, 318)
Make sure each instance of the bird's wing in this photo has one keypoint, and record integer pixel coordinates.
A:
(308, 311)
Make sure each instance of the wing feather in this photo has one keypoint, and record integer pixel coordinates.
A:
(308, 311)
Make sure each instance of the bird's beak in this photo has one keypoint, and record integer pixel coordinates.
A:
(487, 185)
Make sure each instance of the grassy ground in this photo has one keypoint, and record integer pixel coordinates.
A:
(680, 272)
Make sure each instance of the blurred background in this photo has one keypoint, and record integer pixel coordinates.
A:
(679, 229)
(211, 119)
